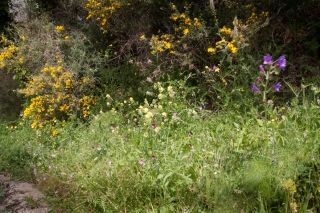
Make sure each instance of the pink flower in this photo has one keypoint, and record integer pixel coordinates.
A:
(142, 162)
(259, 79)
(153, 126)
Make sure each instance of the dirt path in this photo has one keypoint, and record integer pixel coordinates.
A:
(21, 197)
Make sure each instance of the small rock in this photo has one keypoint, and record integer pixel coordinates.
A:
(18, 196)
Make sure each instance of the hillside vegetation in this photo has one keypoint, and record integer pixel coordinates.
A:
(164, 106)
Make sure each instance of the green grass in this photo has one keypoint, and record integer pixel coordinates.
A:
(203, 161)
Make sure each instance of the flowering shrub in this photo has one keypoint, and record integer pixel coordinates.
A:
(102, 10)
(54, 96)
(55, 70)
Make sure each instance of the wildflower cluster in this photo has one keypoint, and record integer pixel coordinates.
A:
(155, 113)
(183, 26)
(255, 17)
(8, 51)
(102, 10)
(184, 22)
(56, 93)
(231, 40)
(161, 44)
(148, 112)
(269, 68)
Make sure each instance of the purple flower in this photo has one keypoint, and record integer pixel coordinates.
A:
(56, 192)
(49, 166)
(35, 170)
(44, 178)
(261, 68)
(277, 86)
(153, 126)
(70, 176)
(255, 88)
(267, 59)
(174, 114)
(281, 62)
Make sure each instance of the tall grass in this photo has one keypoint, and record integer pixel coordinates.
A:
(186, 160)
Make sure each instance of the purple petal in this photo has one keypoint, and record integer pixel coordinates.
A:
(267, 59)
(277, 86)
(281, 62)
(255, 88)
(261, 68)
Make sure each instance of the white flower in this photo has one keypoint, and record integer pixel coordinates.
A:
(160, 96)
(161, 89)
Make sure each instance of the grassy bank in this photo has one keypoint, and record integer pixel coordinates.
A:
(168, 155)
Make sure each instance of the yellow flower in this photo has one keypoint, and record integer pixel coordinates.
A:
(66, 37)
(54, 132)
(173, 7)
(59, 28)
(174, 17)
(234, 50)
(142, 37)
(210, 50)
(186, 31)
(23, 38)
(187, 21)
(167, 44)
(103, 22)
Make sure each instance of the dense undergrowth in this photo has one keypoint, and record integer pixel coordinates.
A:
(156, 106)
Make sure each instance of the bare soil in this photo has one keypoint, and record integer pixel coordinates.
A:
(21, 197)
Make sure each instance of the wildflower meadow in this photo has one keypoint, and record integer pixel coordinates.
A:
(163, 106)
